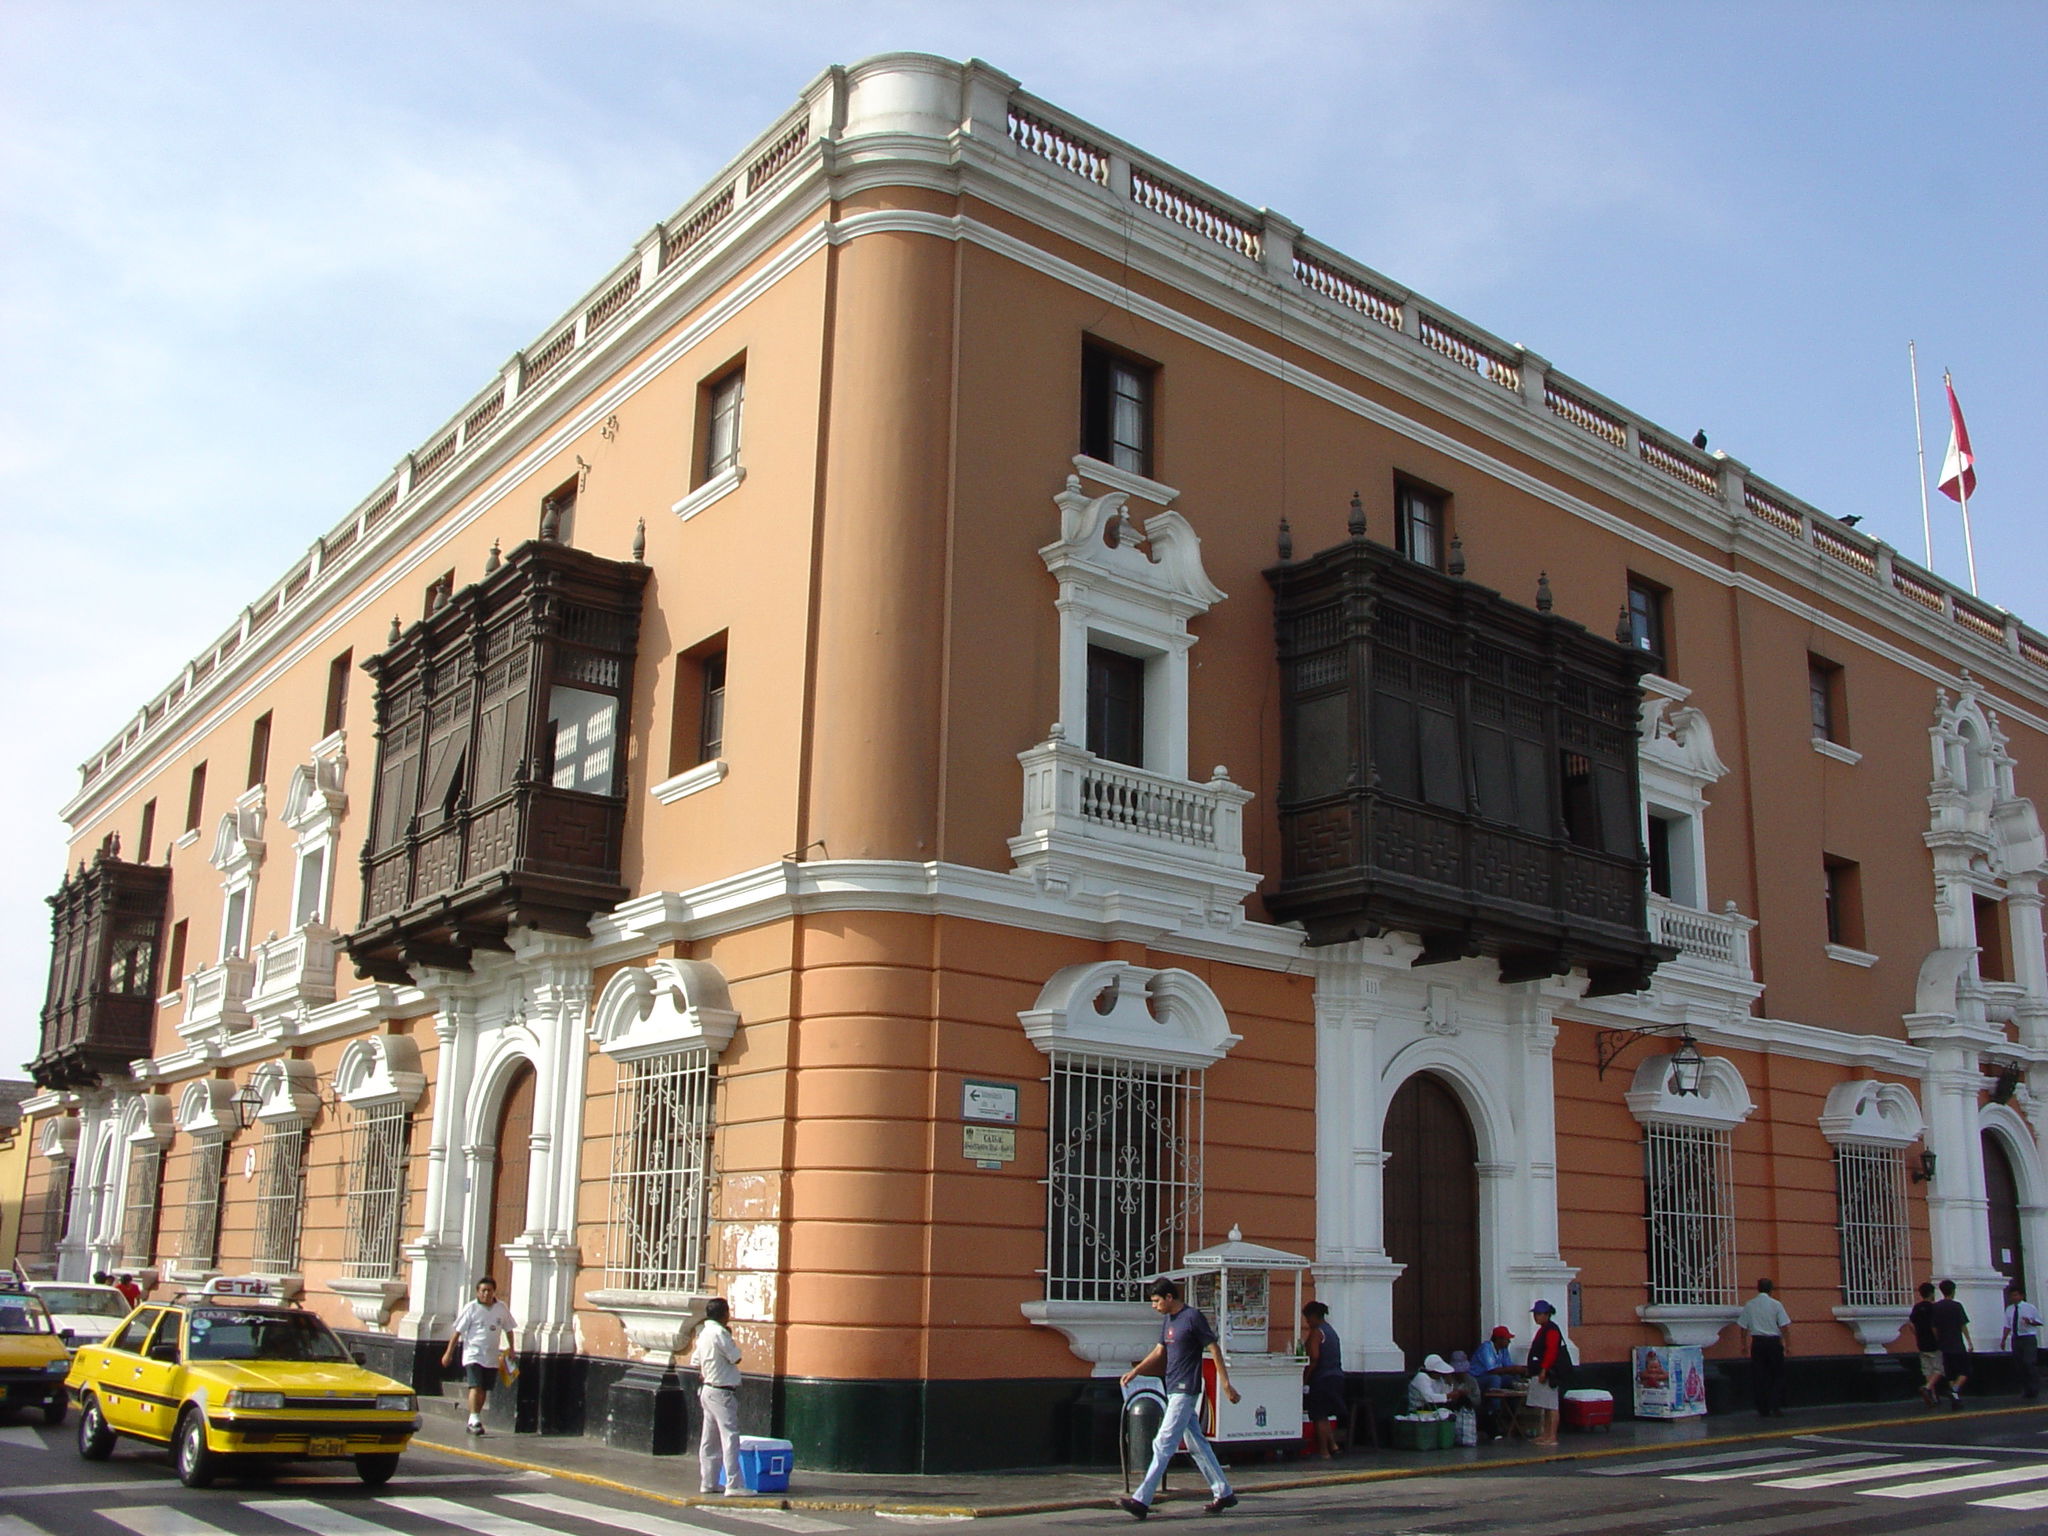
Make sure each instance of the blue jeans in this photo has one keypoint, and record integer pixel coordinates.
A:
(1182, 1422)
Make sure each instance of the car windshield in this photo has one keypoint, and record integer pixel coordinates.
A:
(220, 1334)
(91, 1300)
(23, 1314)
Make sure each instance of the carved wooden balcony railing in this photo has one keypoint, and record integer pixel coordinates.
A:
(106, 924)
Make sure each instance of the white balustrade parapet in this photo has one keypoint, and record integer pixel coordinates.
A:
(217, 999)
(294, 973)
(1712, 941)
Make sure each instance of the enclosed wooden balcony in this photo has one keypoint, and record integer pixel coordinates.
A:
(500, 785)
(1459, 767)
(106, 926)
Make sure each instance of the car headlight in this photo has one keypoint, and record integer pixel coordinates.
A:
(58, 1367)
(396, 1402)
(256, 1400)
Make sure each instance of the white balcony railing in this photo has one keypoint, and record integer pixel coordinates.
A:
(217, 999)
(295, 971)
(1069, 790)
(1711, 941)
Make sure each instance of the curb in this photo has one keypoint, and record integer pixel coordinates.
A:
(1281, 1485)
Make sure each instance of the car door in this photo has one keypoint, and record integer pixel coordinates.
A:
(113, 1370)
(155, 1386)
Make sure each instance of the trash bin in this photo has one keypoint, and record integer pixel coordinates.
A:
(1144, 1412)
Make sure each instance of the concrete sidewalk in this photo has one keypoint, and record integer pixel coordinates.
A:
(673, 1479)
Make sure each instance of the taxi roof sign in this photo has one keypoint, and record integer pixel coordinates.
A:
(249, 1286)
(12, 1283)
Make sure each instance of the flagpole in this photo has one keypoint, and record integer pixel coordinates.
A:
(1963, 486)
(1920, 443)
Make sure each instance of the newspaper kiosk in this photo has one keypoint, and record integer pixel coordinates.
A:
(1231, 1283)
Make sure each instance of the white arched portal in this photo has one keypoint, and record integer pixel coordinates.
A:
(2022, 1149)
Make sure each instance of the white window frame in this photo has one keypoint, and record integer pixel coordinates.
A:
(658, 1226)
(314, 805)
(145, 1132)
(289, 1101)
(238, 850)
(206, 1119)
(1871, 1125)
(1689, 1247)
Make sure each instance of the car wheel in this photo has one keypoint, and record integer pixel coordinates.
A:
(95, 1435)
(56, 1407)
(196, 1464)
(376, 1470)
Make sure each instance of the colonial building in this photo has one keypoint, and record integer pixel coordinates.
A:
(980, 712)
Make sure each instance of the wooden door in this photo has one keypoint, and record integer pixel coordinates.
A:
(1431, 1193)
(515, 1155)
(2002, 1198)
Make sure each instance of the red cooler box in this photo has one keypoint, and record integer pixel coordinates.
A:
(1587, 1409)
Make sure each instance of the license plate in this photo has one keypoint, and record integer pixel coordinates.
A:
(327, 1445)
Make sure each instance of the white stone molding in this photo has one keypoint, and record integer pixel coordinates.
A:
(689, 782)
(217, 1001)
(290, 977)
(667, 1006)
(317, 796)
(1111, 1336)
(379, 1070)
(238, 845)
(289, 1091)
(657, 1323)
(1840, 754)
(206, 1109)
(1863, 959)
(1871, 1113)
(1681, 1326)
(57, 1142)
(146, 1120)
(1874, 1327)
(372, 1301)
(1110, 1008)
(717, 488)
(1722, 1103)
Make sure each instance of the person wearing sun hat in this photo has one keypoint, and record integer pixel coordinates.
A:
(1430, 1387)
(1546, 1357)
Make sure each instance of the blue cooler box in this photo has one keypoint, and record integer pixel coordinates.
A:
(765, 1464)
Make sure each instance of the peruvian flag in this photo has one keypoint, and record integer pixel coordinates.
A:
(1959, 467)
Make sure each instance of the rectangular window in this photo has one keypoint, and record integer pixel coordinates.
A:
(195, 798)
(1876, 1241)
(201, 1246)
(280, 1197)
(174, 972)
(1992, 961)
(1420, 525)
(259, 749)
(310, 905)
(1660, 857)
(1123, 1176)
(1116, 706)
(661, 1172)
(1844, 889)
(145, 844)
(234, 926)
(1689, 1178)
(339, 671)
(582, 731)
(720, 435)
(138, 1214)
(711, 715)
(378, 1141)
(1824, 695)
(1117, 409)
(1649, 622)
(697, 712)
(43, 1236)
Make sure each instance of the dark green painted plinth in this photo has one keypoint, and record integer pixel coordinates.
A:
(647, 1409)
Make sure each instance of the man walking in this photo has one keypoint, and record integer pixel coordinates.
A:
(1764, 1321)
(1952, 1330)
(2022, 1335)
(1927, 1340)
(1183, 1336)
(478, 1327)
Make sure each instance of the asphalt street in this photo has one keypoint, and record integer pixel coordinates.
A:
(1973, 1475)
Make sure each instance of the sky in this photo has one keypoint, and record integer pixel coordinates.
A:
(252, 254)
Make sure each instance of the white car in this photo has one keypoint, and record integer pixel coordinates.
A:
(87, 1312)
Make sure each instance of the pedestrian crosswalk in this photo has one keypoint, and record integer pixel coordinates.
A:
(2006, 1480)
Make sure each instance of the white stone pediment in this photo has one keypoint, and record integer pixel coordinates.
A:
(146, 1119)
(1872, 1113)
(1722, 1103)
(290, 1090)
(238, 841)
(380, 1069)
(1110, 1008)
(316, 795)
(207, 1107)
(670, 1005)
(1102, 547)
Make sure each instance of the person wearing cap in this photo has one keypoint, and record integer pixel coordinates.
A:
(1431, 1387)
(1494, 1369)
(1546, 1356)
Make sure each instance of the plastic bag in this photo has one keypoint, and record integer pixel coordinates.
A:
(1467, 1427)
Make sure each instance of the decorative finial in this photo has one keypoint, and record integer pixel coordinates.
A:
(1357, 523)
(640, 542)
(493, 560)
(1543, 598)
(1624, 629)
(1457, 565)
(1286, 540)
(550, 522)
(392, 638)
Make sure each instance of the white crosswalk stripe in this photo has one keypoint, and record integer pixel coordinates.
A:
(484, 1522)
(1873, 1474)
(1726, 1474)
(2033, 1498)
(14, 1525)
(21, 1434)
(161, 1520)
(1688, 1463)
(634, 1520)
(319, 1518)
(1966, 1482)
(782, 1519)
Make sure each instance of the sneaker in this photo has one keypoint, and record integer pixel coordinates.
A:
(1133, 1508)
(1927, 1394)
(1955, 1401)
(1217, 1506)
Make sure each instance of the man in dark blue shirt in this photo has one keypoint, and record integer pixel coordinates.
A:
(1183, 1337)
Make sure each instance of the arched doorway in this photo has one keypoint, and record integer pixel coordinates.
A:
(514, 1147)
(1430, 1188)
(2002, 1209)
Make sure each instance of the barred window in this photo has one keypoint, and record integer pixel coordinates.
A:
(1870, 1195)
(138, 1220)
(201, 1246)
(1689, 1174)
(1123, 1175)
(661, 1165)
(280, 1196)
(41, 1240)
(379, 1136)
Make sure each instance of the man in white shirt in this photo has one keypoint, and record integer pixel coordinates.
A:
(716, 1360)
(1764, 1320)
(478, 1327)
(2023, 1337)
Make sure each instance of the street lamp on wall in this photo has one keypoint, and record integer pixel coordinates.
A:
(1688, 1067)
(1924, 1174)
(247, 1102)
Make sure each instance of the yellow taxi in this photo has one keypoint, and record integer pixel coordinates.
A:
(232, 1379)
(33, 1355)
